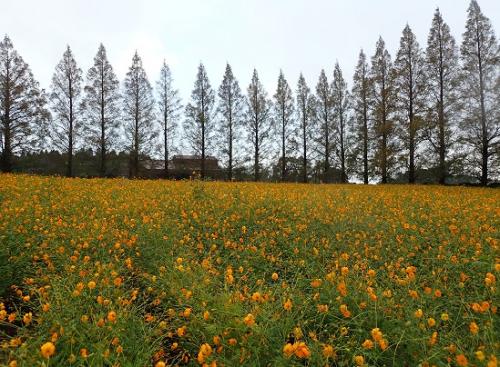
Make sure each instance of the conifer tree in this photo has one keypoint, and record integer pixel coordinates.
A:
(480, 90)
(382, 113)
(305, 117)
(65, 98)
(283, 121)
(169, 105)
(442, 70)
(101, 107)
(138, 113)
(323, 135)
(230, 109)
(361, 92)
(23, 112)
(340, 107)
(257, 122)
(410, 90)
(199, 123)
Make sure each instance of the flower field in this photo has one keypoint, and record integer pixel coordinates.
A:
(113, 272)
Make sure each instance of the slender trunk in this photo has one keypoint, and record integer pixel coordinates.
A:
(484, 132)
(365, 137)
(69, 172)
(327, 142)
(230, 153)
(103, 136)
(304, 141)
(7, 147)
(384, 133)
(411, 172)
(283, 150)
(441, 122)
(202, 134)
(342, 153)
(135, 164)
(165, 141)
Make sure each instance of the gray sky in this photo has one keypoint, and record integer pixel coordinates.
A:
(295, 35)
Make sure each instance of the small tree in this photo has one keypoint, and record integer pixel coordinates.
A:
(138, 113)
(23, 113)
(65, 98)
(101, 107)
(169, 105)
(199, 124)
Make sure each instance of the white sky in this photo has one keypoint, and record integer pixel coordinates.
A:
(295, 35)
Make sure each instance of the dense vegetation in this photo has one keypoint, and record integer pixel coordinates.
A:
(121, 272)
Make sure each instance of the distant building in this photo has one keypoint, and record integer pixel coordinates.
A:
(182, 166)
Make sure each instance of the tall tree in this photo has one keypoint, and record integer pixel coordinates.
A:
(305, 117)
(284, 123)
(361, 92)
(340, 105)
(410, 87)
(138, 113)
(65, 98)
(101, 107)
(324, 115)
(23, 113)
(230, 108)
(257, 121)
(480, 61)
(199, 124)
(442, 79)
(169, 105)
(382, 100)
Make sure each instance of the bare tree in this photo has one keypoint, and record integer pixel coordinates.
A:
(411, 90)
(138, 113)
(361, 92)
(199, 124)
(231, 109)
(169, 106)
(283, 121)
(23, 113)
(257, 121)
(305, 116)
(340, 105)
(481, 69)
(65, 98)
(101, 107)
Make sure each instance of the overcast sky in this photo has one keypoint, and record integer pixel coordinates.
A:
(295, 35)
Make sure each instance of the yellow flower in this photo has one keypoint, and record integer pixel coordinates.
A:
(431, 322)
(288, 350)
(287, 305)
(445, 317)
(48, 349)
(91, 284)
(328, 351)
(249, 320)
(275, 276)
(359, 360)
(419, 313)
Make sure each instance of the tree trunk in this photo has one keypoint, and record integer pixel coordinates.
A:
(484, 132)
(69, 172)
(304, 142)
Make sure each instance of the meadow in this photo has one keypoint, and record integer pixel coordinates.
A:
(115, 272)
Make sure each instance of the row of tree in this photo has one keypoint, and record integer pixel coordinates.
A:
(438, 107)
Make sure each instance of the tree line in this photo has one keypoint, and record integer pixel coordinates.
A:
(435, 108)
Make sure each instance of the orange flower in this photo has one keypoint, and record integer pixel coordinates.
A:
(359, 360)
(301, 350)
(328, 351)
(316, 283)
(275, 276)
(112, 316)
(48, 350)
(419, 313)
(462, 360)
(288, 350)
(474, 328)
(287, 305)
(367, 344)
